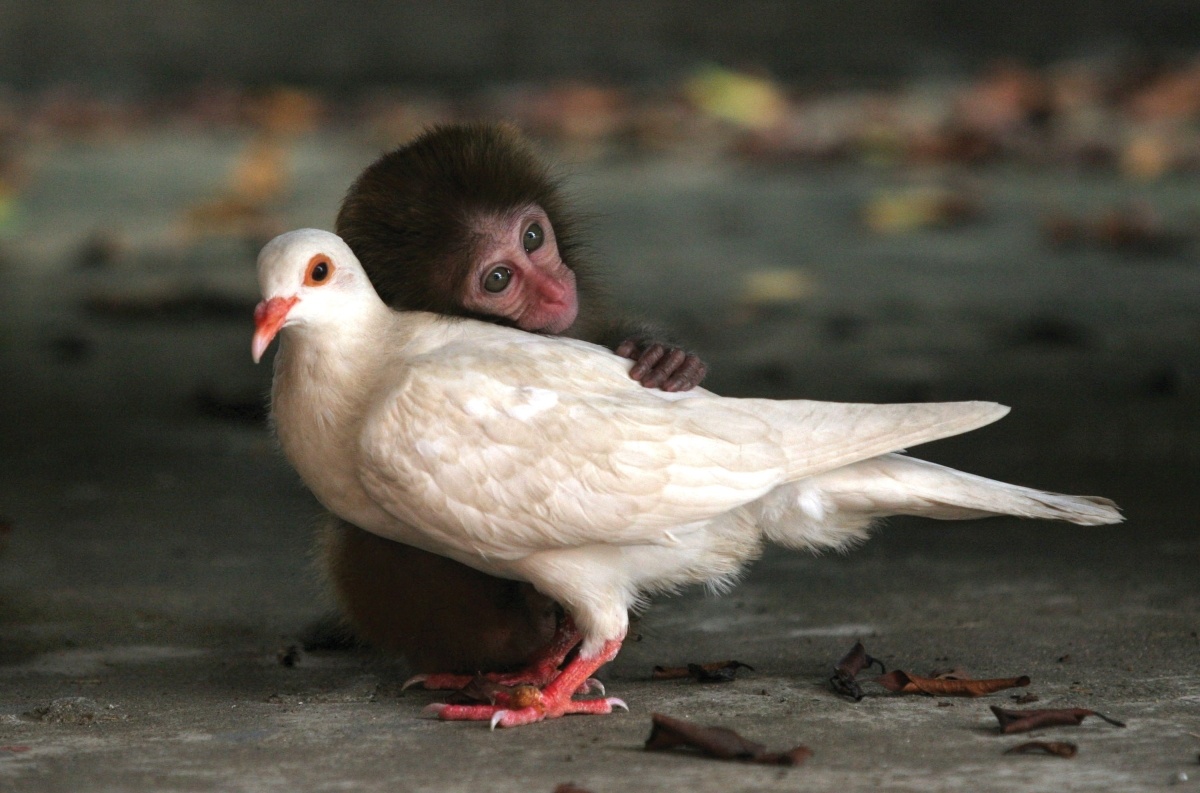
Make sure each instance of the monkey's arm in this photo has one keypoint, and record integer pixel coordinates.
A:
(661, 362)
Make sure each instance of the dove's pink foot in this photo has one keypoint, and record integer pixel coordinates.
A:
(528, 704)
(540, 671)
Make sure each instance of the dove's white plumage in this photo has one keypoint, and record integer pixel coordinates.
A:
(540, 459)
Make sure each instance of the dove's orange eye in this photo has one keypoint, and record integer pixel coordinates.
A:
(319, 270)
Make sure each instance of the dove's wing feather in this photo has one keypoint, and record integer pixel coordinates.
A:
(509, 444)
(504, 466)
(821, 436)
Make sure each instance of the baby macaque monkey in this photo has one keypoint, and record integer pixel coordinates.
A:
(466, 220)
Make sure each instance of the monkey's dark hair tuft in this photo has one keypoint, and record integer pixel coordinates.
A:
(409, 216)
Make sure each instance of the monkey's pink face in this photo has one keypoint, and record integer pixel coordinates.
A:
(519, 274)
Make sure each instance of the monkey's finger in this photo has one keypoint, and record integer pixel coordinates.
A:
(666, 367)
(687, 376)
(627, 349)
(647, 361)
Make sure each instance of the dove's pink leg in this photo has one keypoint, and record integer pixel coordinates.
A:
(549, 702)
(540, 671)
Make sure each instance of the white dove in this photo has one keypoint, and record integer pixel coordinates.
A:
(539, 459)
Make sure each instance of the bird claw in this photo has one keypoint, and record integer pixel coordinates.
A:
(530, 704)
(590, 686)
(515, 717)
(412, 681)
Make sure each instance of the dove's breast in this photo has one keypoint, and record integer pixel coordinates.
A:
(316, 424)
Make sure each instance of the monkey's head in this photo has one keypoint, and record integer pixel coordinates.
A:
(465, 220)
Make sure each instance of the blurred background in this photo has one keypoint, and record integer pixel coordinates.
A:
(867, 200)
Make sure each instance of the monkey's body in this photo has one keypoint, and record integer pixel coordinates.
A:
(439, 614)
(430, 223)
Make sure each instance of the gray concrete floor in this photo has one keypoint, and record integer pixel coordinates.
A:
(158, 561)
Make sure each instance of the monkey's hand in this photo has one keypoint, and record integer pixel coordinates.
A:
(662, 365)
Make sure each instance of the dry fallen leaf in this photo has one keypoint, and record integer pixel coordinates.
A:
(852, 663)
(714, 672)
(1012, 721)
(719, 742)
(1056, 748)
(904, 683)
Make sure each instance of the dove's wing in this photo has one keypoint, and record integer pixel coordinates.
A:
(501, 449)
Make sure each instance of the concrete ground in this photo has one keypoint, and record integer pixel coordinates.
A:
(157, 569)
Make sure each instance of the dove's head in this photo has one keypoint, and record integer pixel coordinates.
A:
(308, 276)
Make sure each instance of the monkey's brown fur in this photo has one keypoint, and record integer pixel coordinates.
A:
(410, 219)
(437, 613)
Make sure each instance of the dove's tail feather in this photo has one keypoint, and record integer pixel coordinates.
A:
(836, 509)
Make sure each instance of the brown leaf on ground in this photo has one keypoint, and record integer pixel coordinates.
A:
(902, 682)
(1056, 748)
(1012, 721)
(852, 663)
(719, 742)
(714, 672)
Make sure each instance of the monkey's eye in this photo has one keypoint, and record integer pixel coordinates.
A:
(533, 237)
(497, 280)
(319, 270)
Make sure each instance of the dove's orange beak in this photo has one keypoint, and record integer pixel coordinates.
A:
(269, 316)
